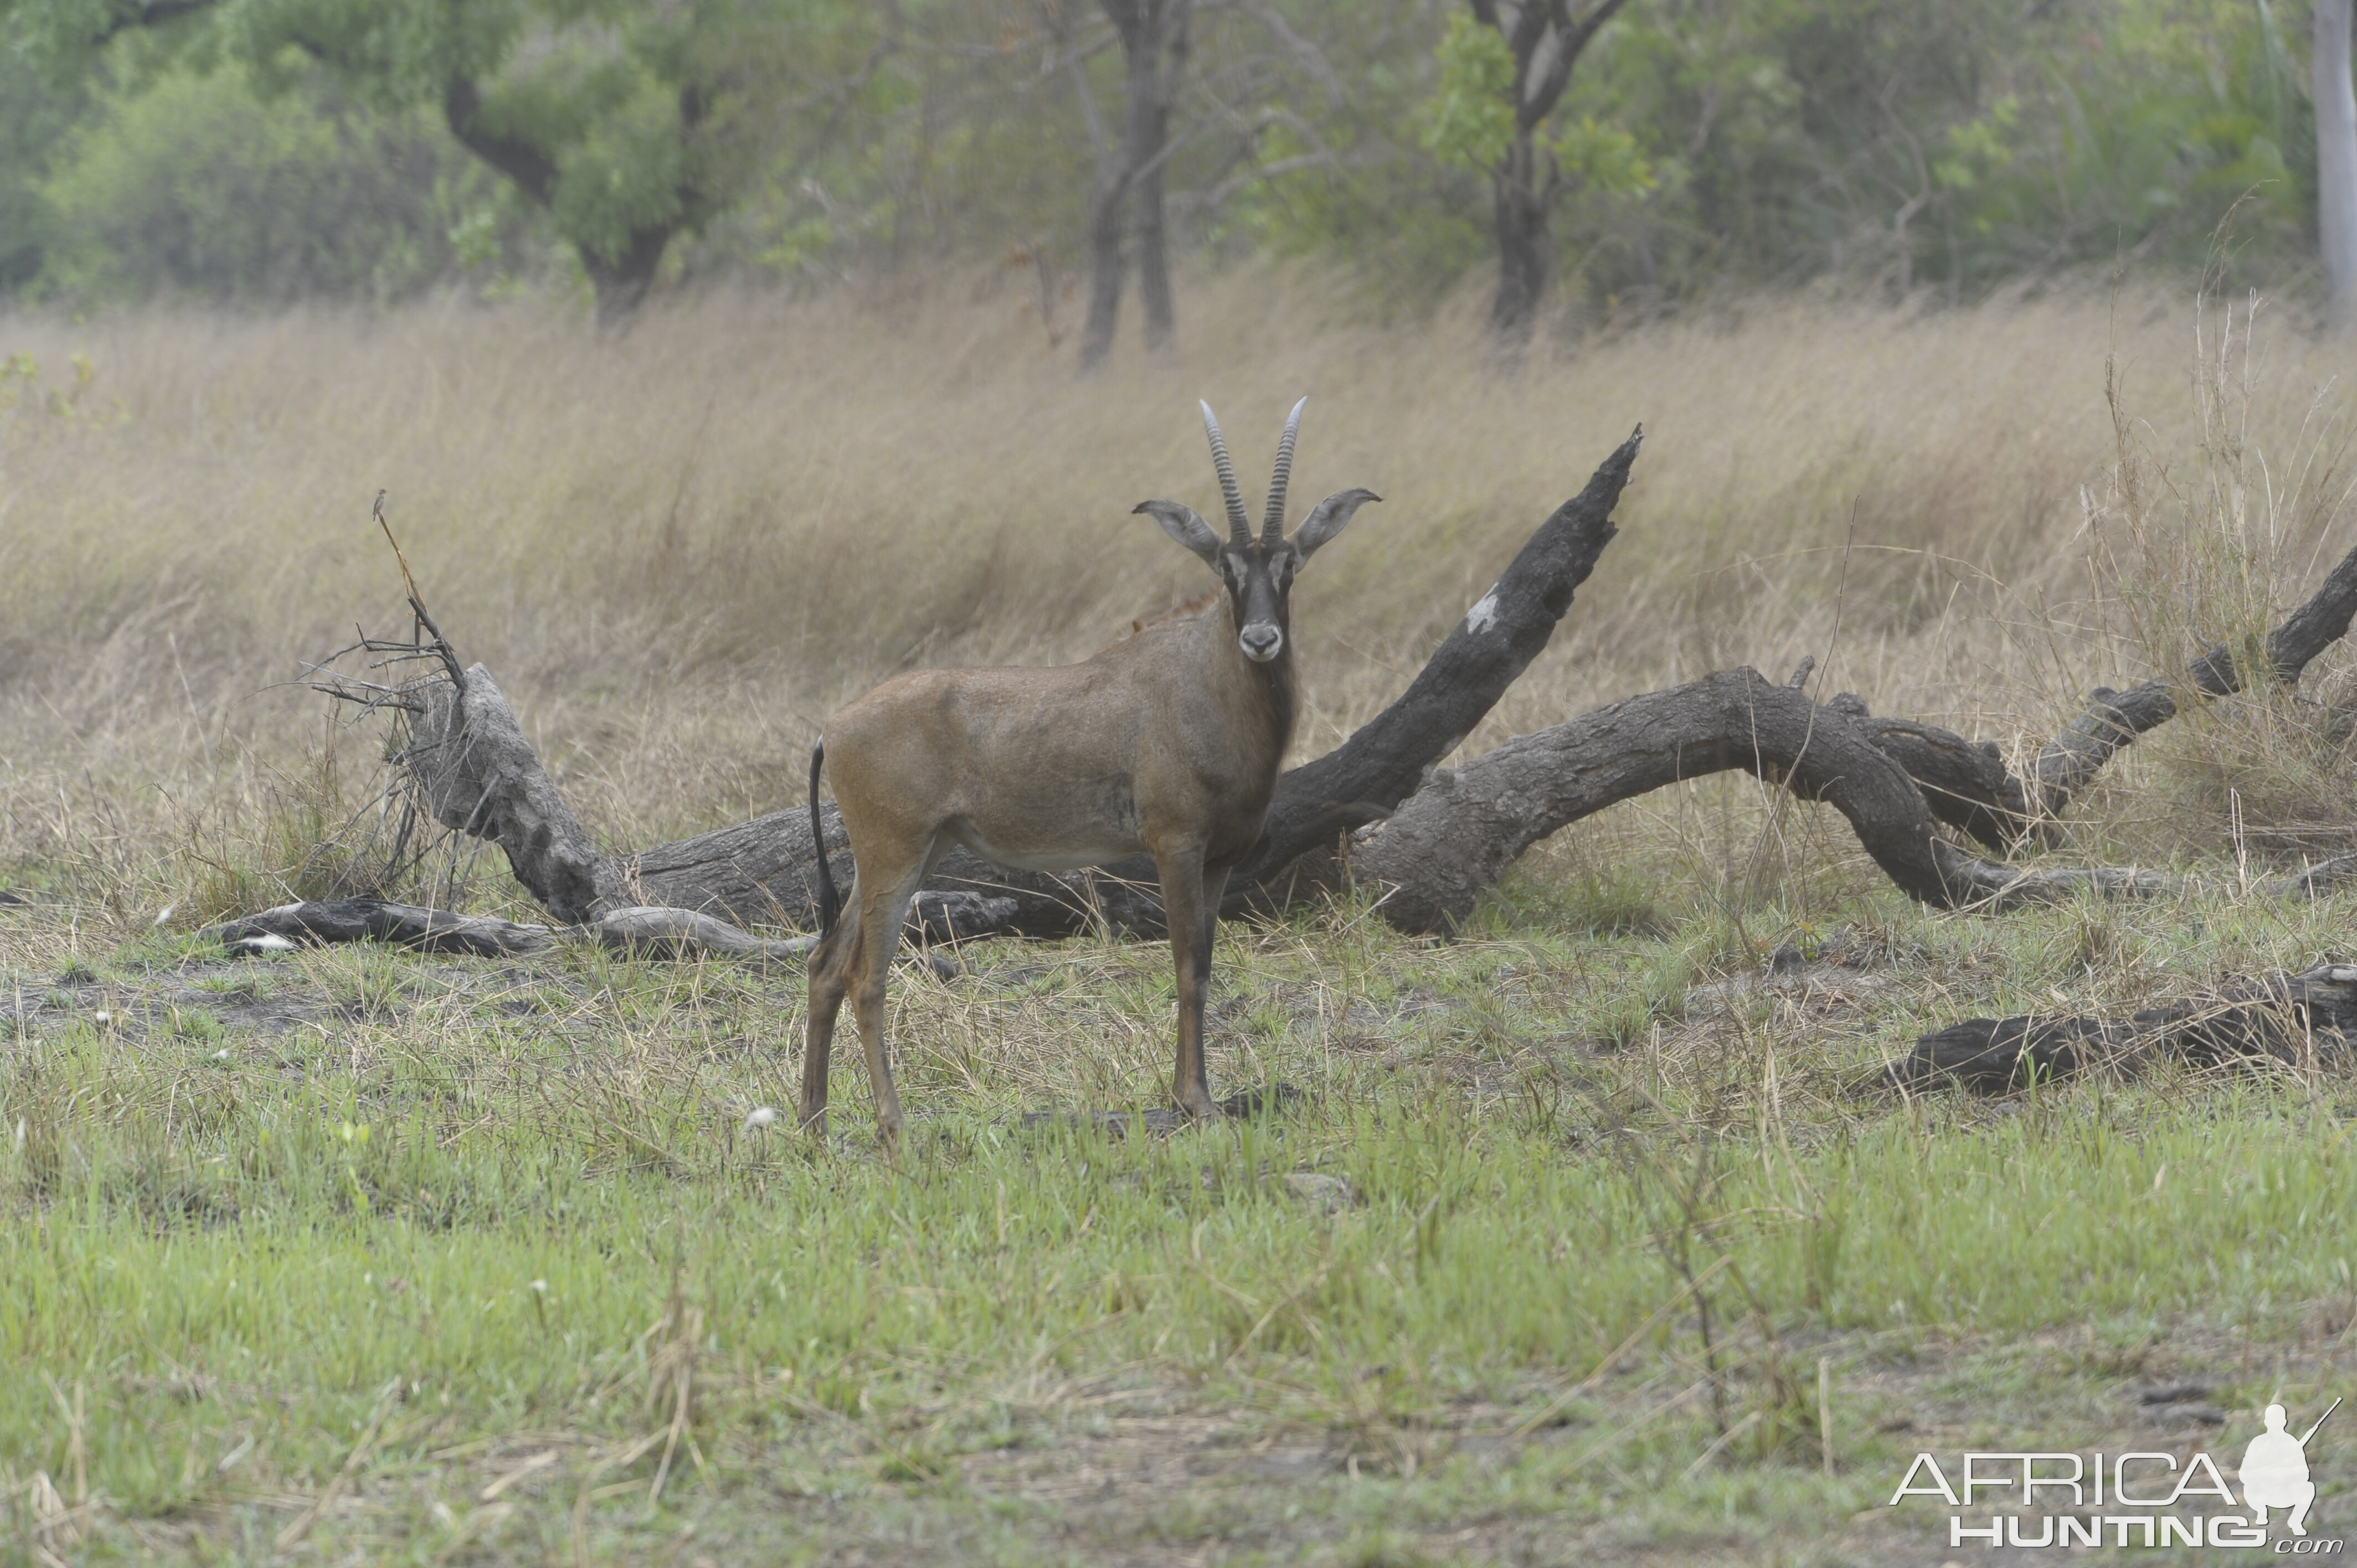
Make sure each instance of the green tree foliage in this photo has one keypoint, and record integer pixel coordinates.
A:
(35, 116)
(192, 185)
(1885, 146)
(1470, 117)
(629, 124)
(1895, 143)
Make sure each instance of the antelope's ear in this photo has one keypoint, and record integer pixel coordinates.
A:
(1333, 514)
(1181, 524)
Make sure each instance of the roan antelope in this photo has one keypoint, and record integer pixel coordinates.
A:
(1167, 743)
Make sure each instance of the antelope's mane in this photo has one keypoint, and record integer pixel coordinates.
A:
(1190, 610)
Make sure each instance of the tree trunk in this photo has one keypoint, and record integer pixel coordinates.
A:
(621, 282)
(2336, 157)
(1105, 205)
(1151, 97)
(1546, 41)
(1520, 194)
(1154, 50)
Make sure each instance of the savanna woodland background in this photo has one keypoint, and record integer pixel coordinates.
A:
(721, 357)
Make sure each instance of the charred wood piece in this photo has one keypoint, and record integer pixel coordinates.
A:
(315, 924)
(2304, 1020)
(1965, 783)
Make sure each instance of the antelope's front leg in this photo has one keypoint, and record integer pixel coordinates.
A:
(1192, 918)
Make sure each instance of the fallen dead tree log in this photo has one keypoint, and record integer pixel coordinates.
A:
(467, 760)
(1436, 855)
(2306, 1020)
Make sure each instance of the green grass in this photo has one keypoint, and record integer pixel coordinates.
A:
(442, 1242)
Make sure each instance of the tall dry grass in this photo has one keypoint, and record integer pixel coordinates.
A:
(679, 549)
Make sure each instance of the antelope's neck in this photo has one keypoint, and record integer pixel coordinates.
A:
(1265, 692)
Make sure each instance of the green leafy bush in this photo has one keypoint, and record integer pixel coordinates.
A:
(193, 185)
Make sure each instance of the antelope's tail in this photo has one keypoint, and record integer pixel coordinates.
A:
(830, 902)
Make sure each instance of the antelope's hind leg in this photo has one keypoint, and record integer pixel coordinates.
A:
(881, 915)
(830, 973)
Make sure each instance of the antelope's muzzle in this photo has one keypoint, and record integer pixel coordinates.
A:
(1261, 641)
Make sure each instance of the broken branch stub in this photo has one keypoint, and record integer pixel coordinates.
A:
(1384, 761)
(480, 776)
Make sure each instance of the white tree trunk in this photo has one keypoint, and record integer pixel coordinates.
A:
(2336, 156)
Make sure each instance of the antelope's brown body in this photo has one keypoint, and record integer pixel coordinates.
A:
(1167, 743)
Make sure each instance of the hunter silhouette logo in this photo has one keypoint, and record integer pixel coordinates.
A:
(2274, 1471)
(2140, 1498)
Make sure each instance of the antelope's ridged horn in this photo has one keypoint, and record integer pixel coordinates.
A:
(1239, 525)
(1271, 528)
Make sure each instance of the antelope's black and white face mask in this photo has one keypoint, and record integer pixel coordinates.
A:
(1258, 572)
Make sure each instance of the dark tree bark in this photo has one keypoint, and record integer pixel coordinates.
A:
(479, 776)
(1521, 201)
(1154, 45)
(1150, 102)
(1436, 855)
(1546, 41)
(1105, 265)
(1385, 760)
(1965, 783)
(620, 281)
